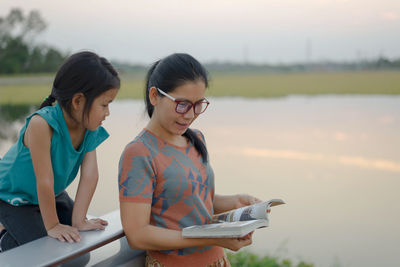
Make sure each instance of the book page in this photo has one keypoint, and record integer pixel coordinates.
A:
(253, 212)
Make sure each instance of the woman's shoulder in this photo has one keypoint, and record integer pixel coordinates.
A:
(137, 147)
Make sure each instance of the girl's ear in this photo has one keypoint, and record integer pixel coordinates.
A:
(153, 96)
(78, 101)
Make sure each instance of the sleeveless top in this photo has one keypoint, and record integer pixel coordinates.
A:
(17, 177)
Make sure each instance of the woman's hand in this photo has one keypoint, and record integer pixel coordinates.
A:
(235, 244)
(64, 233)
(223, 203)
(92, 224)
(243, 200)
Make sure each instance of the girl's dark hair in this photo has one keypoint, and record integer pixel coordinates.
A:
(171, 72)
(83, 72)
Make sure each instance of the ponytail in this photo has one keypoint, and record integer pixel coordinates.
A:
(48, 101)
(198, 144)
(149, 83)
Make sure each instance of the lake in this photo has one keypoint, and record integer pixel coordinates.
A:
(335, 160)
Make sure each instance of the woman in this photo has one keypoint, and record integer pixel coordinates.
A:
(165, 179)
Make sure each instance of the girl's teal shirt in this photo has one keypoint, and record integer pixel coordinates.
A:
(17, 178)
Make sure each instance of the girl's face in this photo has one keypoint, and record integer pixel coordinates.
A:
(165, 114)
(100, 109)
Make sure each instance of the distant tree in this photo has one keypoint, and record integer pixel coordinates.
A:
(18, 52)
(13, 55)
(52, 58)
(15, 24)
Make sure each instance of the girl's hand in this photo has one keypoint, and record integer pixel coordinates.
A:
(64, 233)
(234, 244)
(92, 224)
(243, 200)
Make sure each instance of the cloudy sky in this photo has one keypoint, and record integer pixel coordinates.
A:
(261, 31)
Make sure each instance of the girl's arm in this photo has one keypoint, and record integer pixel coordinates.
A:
(141, 234)
(230, 202)
(86, 188)
(38, 139)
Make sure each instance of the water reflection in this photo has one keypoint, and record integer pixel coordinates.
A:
(378, 164)
(11, 119)
(335, 160)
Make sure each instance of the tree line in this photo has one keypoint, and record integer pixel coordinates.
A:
(322, 66)
(19, 52)
(381, 63)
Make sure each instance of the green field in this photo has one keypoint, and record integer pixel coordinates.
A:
(33, 89)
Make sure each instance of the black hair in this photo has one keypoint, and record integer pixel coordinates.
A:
(84, 72)
(171, 72)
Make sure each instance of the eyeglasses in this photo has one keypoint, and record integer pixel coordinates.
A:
(183, 106)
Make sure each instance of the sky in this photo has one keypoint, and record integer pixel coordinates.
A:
(257, 31)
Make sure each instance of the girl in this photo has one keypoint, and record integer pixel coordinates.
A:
(54, 143)
(165, 179)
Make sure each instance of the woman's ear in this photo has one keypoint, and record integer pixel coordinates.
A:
(78, 102)
(153, 96)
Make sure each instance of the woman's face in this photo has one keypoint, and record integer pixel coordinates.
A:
(165, 109)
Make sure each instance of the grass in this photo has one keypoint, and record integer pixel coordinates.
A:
(247, 259)
(277, 85)
(32, 89)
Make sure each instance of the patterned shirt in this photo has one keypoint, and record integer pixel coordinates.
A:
(179, 186)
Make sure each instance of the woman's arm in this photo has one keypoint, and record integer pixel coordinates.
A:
(141, 234)
(87, 186)
(38, 139)
(225, 203)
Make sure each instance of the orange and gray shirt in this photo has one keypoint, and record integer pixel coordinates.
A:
(178, 185)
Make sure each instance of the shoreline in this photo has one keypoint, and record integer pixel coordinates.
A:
(32, 89)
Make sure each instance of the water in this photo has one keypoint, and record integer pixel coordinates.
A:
(335, 160)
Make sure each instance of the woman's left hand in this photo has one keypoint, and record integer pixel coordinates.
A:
(92, 224)
(248, 236)
(243, 200)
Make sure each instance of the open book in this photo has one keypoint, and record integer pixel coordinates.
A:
(234, 223)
